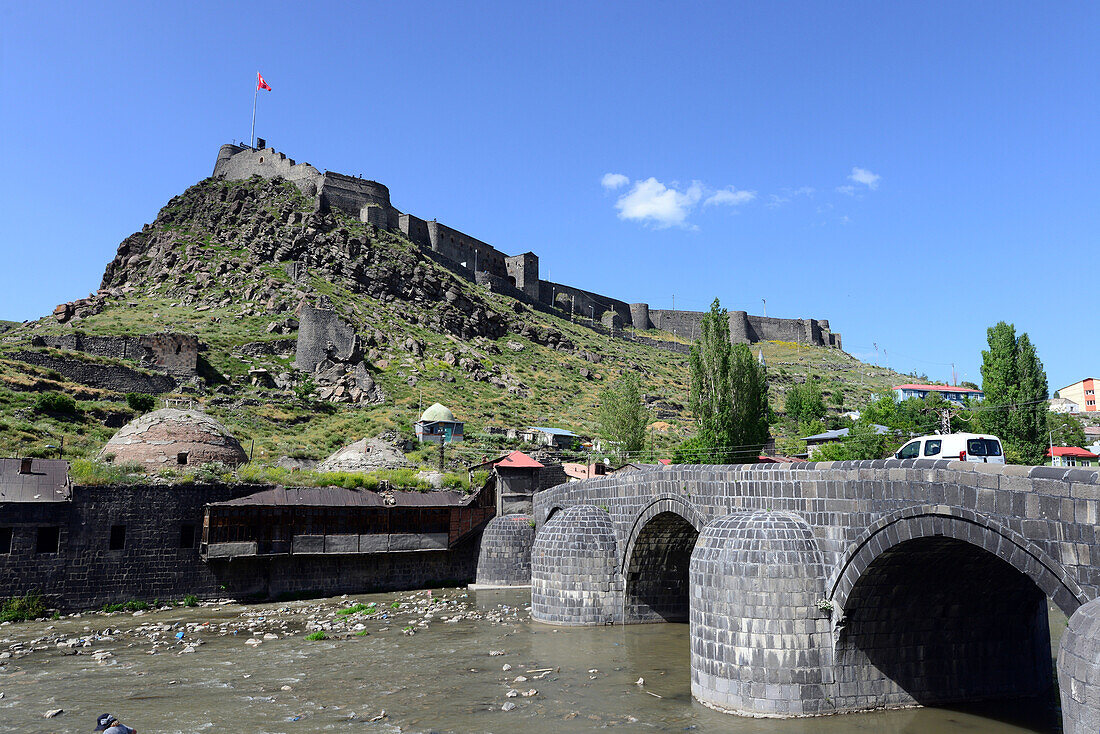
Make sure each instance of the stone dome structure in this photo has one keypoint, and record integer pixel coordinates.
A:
(437, 412)
(366, 454)
(171, 437)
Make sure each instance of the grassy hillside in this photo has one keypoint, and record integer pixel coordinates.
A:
(213, 264)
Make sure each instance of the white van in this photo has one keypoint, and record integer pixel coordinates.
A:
(978, 447)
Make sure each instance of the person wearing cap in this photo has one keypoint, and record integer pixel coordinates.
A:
(108, 724)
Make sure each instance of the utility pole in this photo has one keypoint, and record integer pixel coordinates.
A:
(673, 301)
(945, 421)
(765, 302)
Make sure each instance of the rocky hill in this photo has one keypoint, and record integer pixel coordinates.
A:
(235, 263)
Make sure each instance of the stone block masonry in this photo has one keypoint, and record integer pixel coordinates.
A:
(370, 202)
(112, 544)
(117, 377)
(176, 354)
(836, 587)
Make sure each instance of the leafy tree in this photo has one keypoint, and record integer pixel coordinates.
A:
(862, 442)
(1066, 430)
(623, 416)
(1015, 387)
(804, 402)
(140, 402)
(729, 394)
(56, 404)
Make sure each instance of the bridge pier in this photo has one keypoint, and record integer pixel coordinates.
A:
(1079, 671)
(575, 577)
(760, 642)
(504, 558)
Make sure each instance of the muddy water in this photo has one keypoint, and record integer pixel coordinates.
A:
(446, 676)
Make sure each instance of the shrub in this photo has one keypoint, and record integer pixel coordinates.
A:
(22, 608)
(55, 403)
(190, 600)
(356, 608)
(140, 402)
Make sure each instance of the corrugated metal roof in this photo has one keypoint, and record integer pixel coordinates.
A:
(518, 460)
(1072, 451)
(340, 497)
(842, 432)
(47, 481)
(551, 431)
(936, 388)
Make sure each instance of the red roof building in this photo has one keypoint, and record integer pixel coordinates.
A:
(1071, 456)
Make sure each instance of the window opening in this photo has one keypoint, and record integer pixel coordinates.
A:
(187, 536)
(48, 540)
(118, 537)
(5, 540)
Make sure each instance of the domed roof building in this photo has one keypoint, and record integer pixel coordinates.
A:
(438, 425)
(367, 454)
(171, 437)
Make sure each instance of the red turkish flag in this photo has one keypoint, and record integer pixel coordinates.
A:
(261, 84)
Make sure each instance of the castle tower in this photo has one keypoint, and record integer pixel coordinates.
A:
(523, 273)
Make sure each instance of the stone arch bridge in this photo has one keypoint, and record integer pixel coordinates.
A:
(830, 587)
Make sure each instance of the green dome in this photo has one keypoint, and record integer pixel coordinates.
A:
(437, 413)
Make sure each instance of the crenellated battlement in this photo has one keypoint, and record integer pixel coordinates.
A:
(369, 201)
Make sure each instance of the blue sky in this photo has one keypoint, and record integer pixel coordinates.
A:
(913, 172)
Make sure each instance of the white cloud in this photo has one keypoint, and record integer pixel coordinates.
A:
(865, 177)
(612, 181)
(731, 196)
(651, 202)
(849, 190)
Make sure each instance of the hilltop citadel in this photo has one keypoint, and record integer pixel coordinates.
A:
(515, 275)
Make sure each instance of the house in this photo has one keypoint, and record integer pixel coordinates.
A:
(1062, 405)
(555, 437)
(1083, 393)
(1071, 456)
(813, 442)
(957, 395)
(577, 472)
(517, 477)
(438, 425)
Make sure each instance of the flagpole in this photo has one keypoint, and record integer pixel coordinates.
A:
(252, 137)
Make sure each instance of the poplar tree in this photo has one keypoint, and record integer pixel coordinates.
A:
(623, 416)
(1015, 385)
(729, 394)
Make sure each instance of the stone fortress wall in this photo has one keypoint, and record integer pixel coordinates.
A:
(518, 274)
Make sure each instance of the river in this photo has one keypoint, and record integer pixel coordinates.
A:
(412, 662)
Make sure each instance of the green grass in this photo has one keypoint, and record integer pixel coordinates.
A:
(315, 636)
(22, 608)
(190, 601)
(134, 605)
(356, 608)
(283, 425)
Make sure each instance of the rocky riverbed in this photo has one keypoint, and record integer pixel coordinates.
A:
(425, 661)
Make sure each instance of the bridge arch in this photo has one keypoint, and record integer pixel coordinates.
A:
(657, 558)
(938, 604)
(964, 525)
